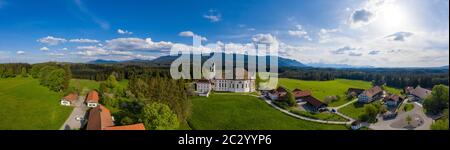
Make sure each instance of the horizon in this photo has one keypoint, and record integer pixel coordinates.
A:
(378, 33)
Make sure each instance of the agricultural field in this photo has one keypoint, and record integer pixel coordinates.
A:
(243, 112)
(84, 85)
(322, 89)
(26, 105)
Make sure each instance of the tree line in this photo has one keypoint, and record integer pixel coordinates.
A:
(394, 77)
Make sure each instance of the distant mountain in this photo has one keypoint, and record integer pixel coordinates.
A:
(102, 61)
(323, 65)
(282, 62)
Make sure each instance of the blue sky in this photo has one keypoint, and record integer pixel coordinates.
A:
(383, 33)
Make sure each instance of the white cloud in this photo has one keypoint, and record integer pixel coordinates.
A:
(299, 32)
(83, 41)
(50, 40)
(213, 16)
(325, 34)
(44, 49)
(129, 44)
(191, 34)
(399, 36)
(56, 54)
(65, 49)
(121, 31)
(20, 52)
(91, 51)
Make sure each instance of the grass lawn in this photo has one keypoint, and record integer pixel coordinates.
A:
(240, 112)
(322, 89)
(408, 107)
(353, 110)
(322, 116)
(84, 85)
(26, 105)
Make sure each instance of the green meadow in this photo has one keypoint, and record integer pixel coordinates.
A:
(26, 105)
(242, 112)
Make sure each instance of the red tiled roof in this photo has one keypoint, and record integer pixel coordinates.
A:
(139, 126)
(71, 97)
(300, 94)
(373, 91)
(92, 97)
(99, 118)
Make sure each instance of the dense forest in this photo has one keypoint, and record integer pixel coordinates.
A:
(395, 77)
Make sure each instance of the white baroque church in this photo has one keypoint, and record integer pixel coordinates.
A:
(240, 81)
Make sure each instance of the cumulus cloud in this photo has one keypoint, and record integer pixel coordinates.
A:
(299, 32)
(213, 16)
(121, 31)
(83, 41)
(354, 54)
(91, 51)
(374, 52)
(50, 40)
(56, 54)
(191, 34)
(65, 49)
(20, 52)
(399, 36)
(44, 49)
(325, 34)
(361, 16)
(128, 44)
(343, 50)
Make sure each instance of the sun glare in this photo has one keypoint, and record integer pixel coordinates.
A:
(393, 17)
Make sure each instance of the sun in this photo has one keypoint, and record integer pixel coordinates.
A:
(393, 17)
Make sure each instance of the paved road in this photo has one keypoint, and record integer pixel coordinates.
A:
(389, 124)
(79, 111)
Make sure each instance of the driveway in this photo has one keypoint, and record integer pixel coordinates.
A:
(418, 118)
(79, 111)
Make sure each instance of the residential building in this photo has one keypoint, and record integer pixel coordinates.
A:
(300, 95)
(354, 91)
(99, 118)
(356, 125)
(315, 104)
(370, 95)
(393, 100)
(92, 99)
(69, 99)
(240, 81)
(417, 93)
(278, 93)
(204, 87)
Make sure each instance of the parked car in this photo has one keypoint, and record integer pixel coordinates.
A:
(79, 118)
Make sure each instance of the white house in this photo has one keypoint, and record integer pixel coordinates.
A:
(69, 99)
(92, 99)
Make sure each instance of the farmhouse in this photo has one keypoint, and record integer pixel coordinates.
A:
(139, 126)
(370, 95)
(69, 99)
(300, 95)
(417, 93)
(100, 119)
(393, 100)
(92, 99)
(315, 104)
(354, 91)
(275, 94)
(240, 81)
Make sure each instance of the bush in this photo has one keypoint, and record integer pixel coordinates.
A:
(158, 116)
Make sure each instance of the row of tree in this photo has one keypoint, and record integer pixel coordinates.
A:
(394, 77)
(13, 70)
(54, 76)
